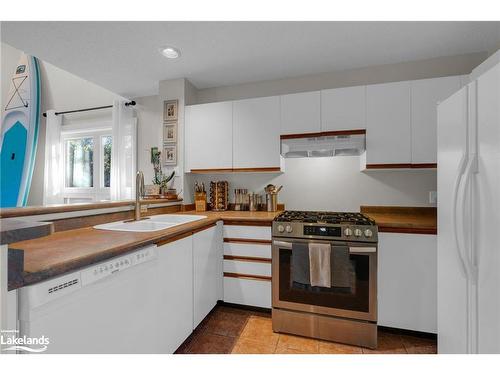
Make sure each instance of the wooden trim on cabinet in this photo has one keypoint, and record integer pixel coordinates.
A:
(248, 223)
(407, 230)
(248, 277)
(247, 259)
(323, 134)
(236, 170)
(424, 165)
(173, 239)
(203, 228)
(212, 170)
(389, 166)
(248, 240)
(260, 169)
(402, 166)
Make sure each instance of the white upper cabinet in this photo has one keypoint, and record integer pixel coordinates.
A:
(388, 132)
(425, 96)
(209, 136)
(300, 113)
(256, 133)
(343, 108)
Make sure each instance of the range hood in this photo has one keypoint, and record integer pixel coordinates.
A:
(323, 146)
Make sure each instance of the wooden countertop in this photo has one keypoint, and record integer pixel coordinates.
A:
(58, 208)
(71, 250)
(14, 230)
(396, 219)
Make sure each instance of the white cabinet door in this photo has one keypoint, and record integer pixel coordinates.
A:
(425, 96)
(388, 139)
(206, 270)
(256, 133)
(220, 261)
(407, 281)
(176, 296)
(343, 108)
(209, 136)
(300, 113)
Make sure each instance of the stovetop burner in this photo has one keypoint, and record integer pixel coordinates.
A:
(319, 217)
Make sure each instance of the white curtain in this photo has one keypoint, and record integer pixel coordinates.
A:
(124, 151)
(53, 172)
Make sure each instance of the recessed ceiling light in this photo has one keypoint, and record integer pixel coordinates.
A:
(170, 52)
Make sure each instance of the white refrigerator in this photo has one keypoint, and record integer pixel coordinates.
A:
(469, 218)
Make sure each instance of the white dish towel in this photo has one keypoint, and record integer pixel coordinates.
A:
(320, 264)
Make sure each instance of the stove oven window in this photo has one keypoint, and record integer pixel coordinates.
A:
(354, 297)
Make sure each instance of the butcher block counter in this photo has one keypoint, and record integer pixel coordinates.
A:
(396, 219)
(70, 250)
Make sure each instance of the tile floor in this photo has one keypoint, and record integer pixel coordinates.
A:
(232, 330)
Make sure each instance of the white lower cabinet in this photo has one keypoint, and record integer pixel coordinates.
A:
(176, 293)
(247, 265)
(206, 271)
(407, 281)
(247, 292)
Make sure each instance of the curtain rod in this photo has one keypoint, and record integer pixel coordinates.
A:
(132, 102)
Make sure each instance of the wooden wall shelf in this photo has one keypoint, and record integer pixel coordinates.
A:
(323, 134)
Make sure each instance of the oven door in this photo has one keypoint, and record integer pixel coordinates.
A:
(357, 301)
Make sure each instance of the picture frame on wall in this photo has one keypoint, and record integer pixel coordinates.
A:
(170, 110)
(170, 132)
(170, 155)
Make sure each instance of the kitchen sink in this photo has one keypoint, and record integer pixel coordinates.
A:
(158, 222)
(178, 219)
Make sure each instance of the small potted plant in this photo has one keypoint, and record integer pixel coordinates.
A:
(164, 190)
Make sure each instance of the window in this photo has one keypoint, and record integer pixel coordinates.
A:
(87, 163)
(79, 163)
(106, 152)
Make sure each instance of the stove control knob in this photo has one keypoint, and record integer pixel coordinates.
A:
(358, 232)
(281, 228)
(348, 232)
(368, 233)
(288, 229)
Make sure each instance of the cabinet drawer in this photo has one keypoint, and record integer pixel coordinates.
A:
(247, 292)
(247, 232)
(247, 249)
(247, 267)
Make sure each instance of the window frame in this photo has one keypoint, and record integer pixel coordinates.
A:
(96, 131)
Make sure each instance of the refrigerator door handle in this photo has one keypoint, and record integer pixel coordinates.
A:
(469, 268)
(456, 188)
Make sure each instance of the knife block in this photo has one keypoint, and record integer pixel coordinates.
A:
(200, 201)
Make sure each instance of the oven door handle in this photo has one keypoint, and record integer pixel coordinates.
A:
(352, 249)
(362, 250)
(283, 244)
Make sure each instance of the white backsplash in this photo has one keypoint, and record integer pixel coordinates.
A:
(334, 184)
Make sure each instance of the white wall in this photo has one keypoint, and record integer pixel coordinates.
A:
(150, 127)
(61, 91)
(335, 184)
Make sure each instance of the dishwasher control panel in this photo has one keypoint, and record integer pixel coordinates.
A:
(115, 265)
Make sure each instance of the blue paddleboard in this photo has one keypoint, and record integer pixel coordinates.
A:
(18, 142)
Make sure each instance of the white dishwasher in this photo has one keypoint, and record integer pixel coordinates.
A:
(109, 307)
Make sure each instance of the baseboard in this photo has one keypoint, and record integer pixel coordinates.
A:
(408, 332)
(244, 307)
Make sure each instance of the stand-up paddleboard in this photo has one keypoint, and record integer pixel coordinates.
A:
(18, 142)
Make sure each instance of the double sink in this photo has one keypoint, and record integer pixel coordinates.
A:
(150, 224)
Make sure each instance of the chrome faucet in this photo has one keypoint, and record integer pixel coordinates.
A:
(139, 194)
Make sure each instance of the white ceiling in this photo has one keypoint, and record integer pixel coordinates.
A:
(123, 56)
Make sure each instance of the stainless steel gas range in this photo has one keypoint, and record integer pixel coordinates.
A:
(345, 308)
